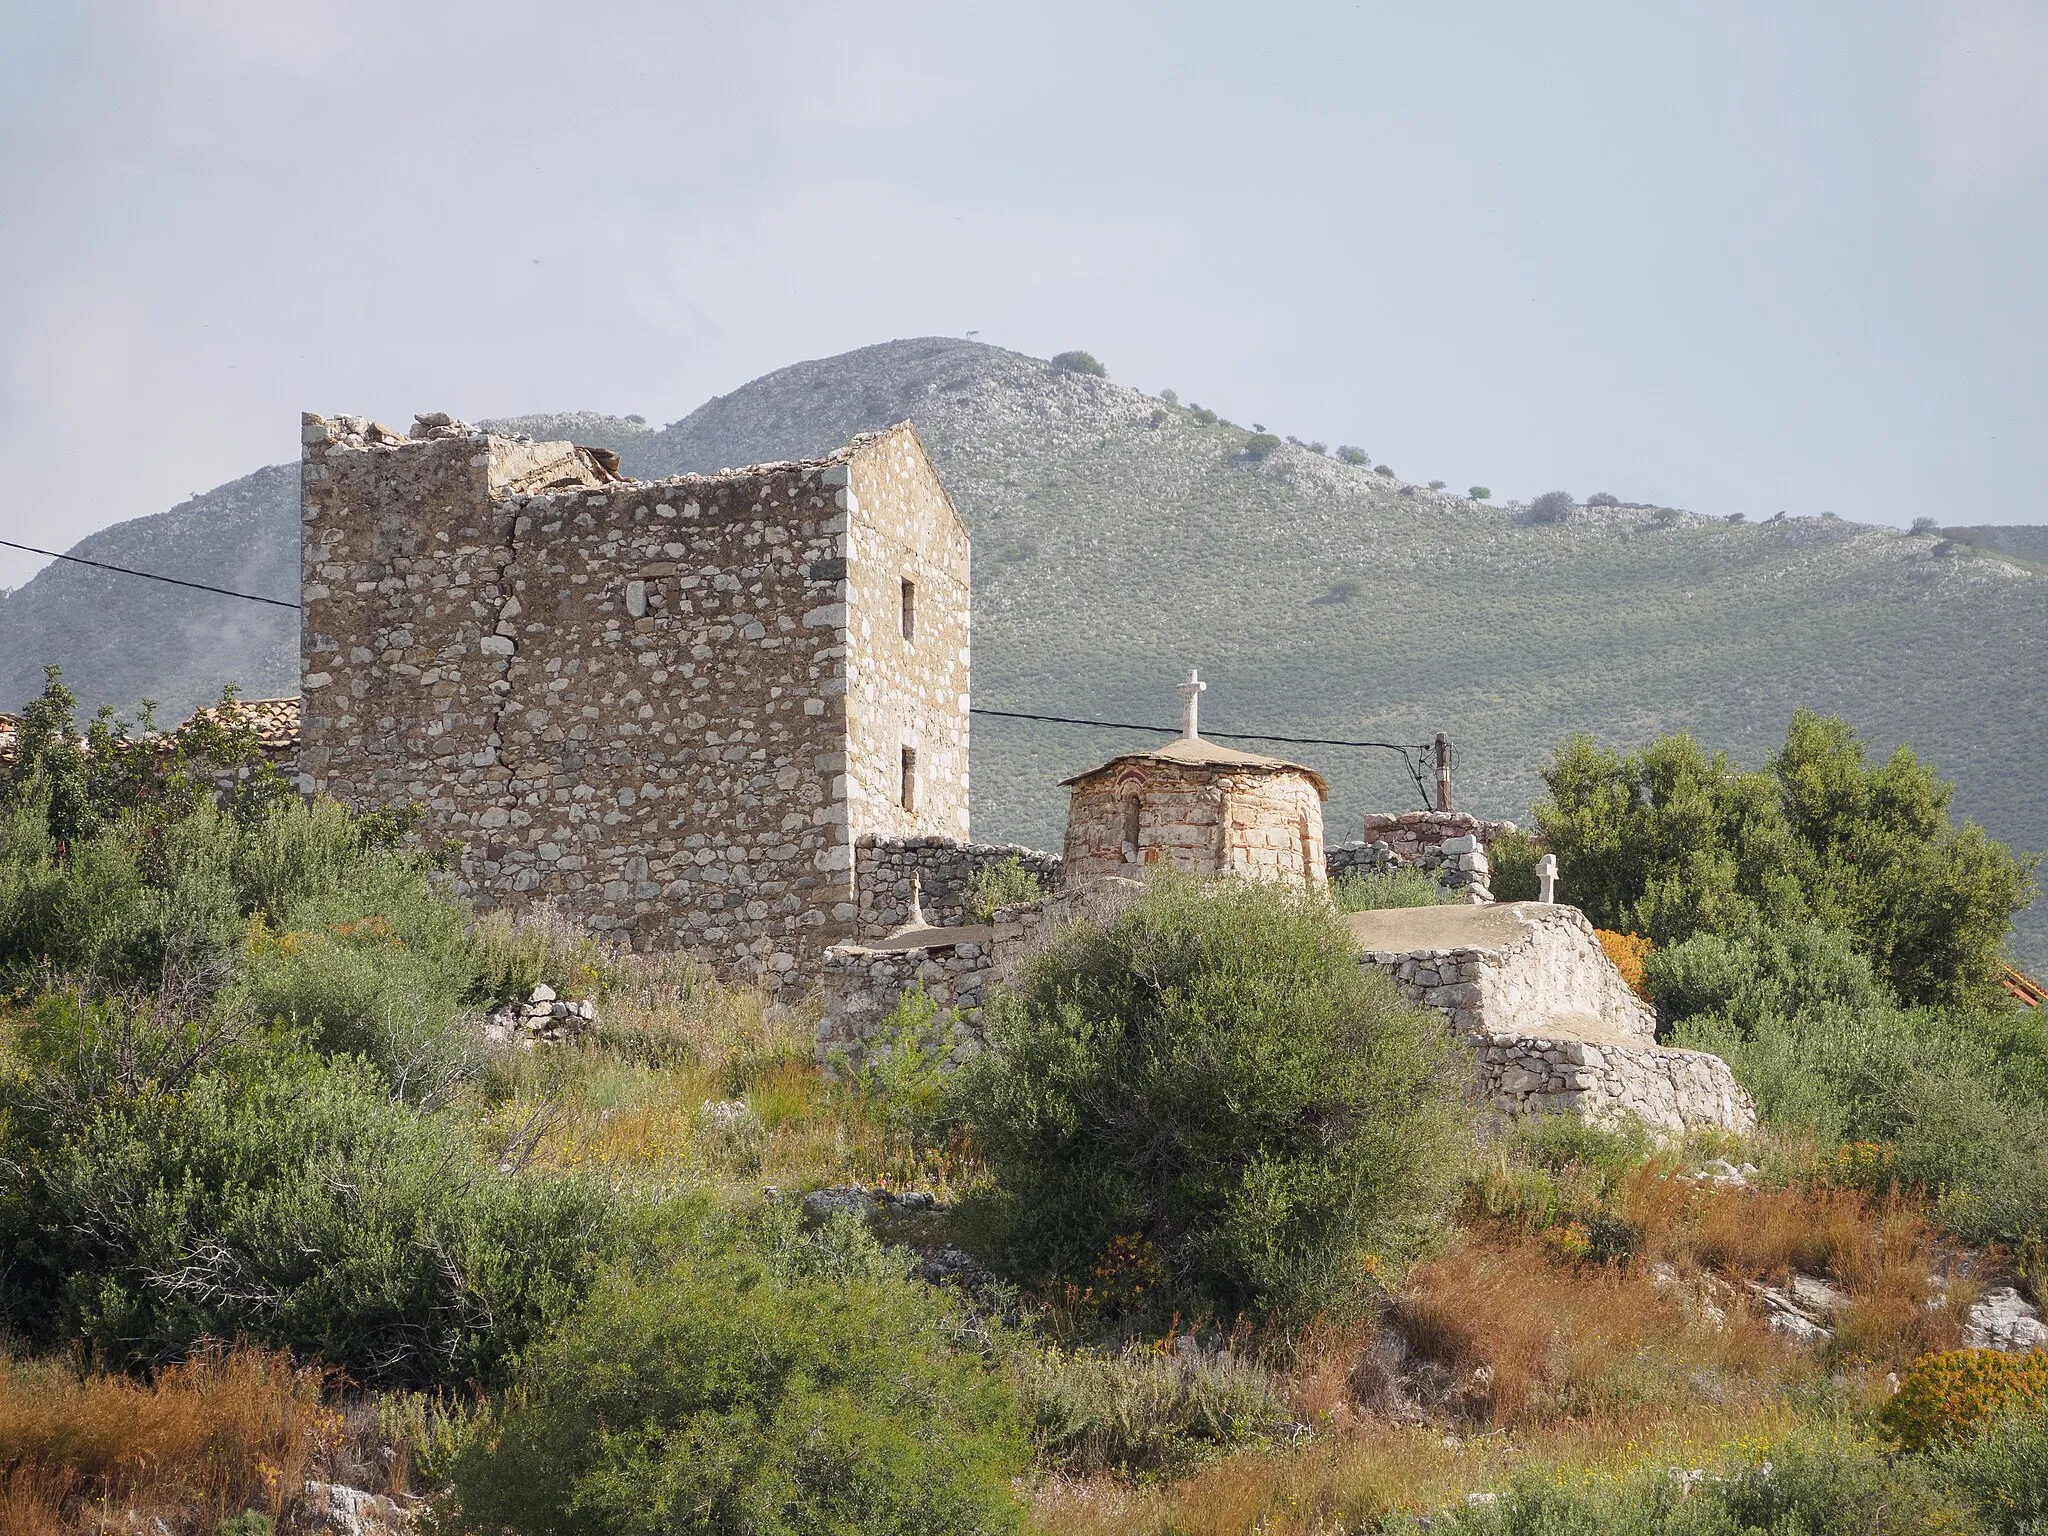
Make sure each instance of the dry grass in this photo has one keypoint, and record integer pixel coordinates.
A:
(1518, 1339)
(1341, 1482)
(226, 1431)
(672, 1042)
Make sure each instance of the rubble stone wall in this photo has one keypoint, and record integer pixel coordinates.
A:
(629, 697)
(1672, 1092)
(1411, 834)
(1259, 825)
(884, 867)
(1552, 975)
(862, 985)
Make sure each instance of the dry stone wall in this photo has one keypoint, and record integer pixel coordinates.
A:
(1520, 967)
(943, 868)
(1672, 1092)
(1411, 834)
(630, 698)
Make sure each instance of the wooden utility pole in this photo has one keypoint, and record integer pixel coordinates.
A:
(1443, 771)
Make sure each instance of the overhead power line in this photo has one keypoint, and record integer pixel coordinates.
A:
(101, 565)
(1410, 756)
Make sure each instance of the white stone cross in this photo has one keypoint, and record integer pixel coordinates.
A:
(1546, 878)
(1191, 692)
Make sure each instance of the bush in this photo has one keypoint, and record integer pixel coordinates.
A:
(1171, 397)
(1386, 470)
(1079, 362)
(1436, 485)
(1551, 507)
(1944, 1395)
(1259, 445)
(1404, 887)
(1000, 883)
(2001, 1470)
(1925, 525)
(164, 1184)
(796, 1387)
(1203, 416)
(1213, 1076)
(1669, 842)
(1480, 492)
(901, 1077)
(1761, 974)
(1351, 455)
(1319, 449)
(1952, 1100)
(1603, 499)
(1793, 1488)
(1628, 952)
(1511, 859)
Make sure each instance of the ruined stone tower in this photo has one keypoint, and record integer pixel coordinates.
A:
(674, 706)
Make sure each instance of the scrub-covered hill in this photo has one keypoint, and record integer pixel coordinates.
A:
(1120, 539)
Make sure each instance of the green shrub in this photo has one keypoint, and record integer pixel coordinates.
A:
(1436, 485)
(1000, 883)
(1404, 887)
(1213, 1079)
(1202, 415)
(2001, 1471)
(1796, 1488)
(1954, 1099)
(161, 1184)
(1761, 973)
(901, 1077)
(1603, 499)
(1479, 492)
(798, 1391)
(1551, 507)
(1925, 525)
(1668, 842)
(1350, 455)
(1171, 397)
(1259, 445)
(1386, 470)
(1079, 362)
(1144, 1409)
(250, 1522)
(1511, 859)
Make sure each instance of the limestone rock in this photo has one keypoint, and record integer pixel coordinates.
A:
(2004, 1319)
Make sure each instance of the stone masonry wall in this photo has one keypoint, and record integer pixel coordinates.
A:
(1256, 824)
(906, 692)
(883, 868)
(631, 698)
(862, 984)
(1411, 834)
(1458, 864)
(1551, 975)
(1672, 1092)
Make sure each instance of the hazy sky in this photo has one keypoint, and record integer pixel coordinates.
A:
(1737, 257)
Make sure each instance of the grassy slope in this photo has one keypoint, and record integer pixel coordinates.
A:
(1111, 554)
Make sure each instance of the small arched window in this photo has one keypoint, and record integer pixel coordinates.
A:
(1128, 807)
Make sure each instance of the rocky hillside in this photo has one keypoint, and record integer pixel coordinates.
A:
(1120, 540)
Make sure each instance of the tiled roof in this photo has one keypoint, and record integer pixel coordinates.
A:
(1199, 752)
(276, 722)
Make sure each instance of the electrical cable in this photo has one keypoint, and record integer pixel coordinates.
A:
(101, 565)
(1409, 755)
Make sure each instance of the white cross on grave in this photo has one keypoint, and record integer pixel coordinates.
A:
(1546, 878)
(1191, 693)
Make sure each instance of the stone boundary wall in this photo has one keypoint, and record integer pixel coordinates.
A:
(862, 982)
(1555, 974)
(883, 868)
(1673, 1092)
(861, 985)
(1411, 834)
(1458, 864)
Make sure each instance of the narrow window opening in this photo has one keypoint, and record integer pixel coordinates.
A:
(910, 779)
(909, 609)
(1130, 837)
